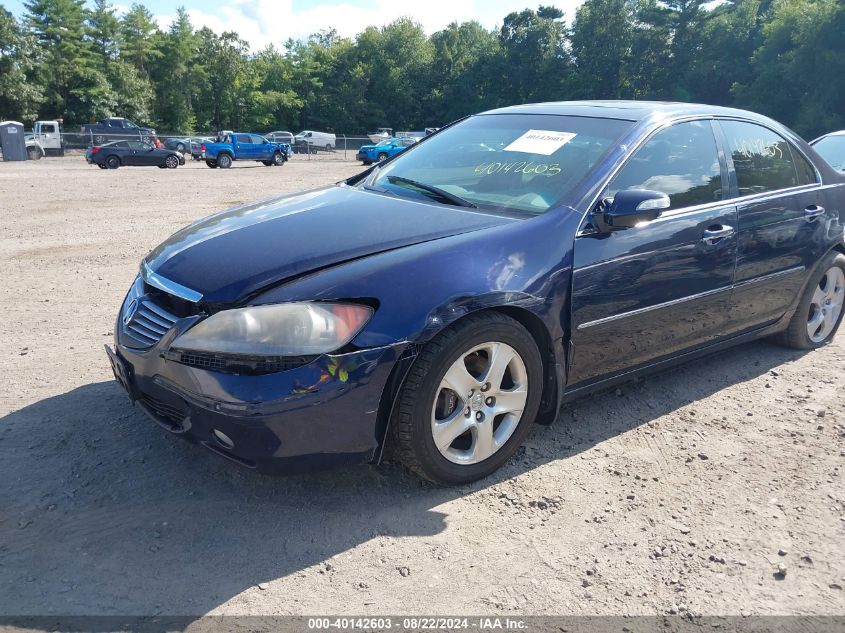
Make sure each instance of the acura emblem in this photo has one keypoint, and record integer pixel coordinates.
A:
(130, 311)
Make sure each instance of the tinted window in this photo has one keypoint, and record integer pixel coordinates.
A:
(518, 162)
(138, 145)
(48, 128)
(122, 144)
(243, 138)
(806, 172)
(762, 159)
(681, 161)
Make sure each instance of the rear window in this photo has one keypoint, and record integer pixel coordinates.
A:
(832, 149)
(516, 162)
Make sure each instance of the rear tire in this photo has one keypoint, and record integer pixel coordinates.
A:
(477, 387)
(211, 164)
(180, 148)
(112, 162)
(820, 310)
(224, 161)
(33, 153)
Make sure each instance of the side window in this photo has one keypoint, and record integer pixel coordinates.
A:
(681, 161)
(806, 172)
(48, 128)
(244, 138)
(136, 145)
(762, 159)
(257, 139)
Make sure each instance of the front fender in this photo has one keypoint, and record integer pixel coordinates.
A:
(423, 288)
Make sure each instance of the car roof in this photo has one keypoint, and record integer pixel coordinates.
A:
(837, 133)
(626, 110)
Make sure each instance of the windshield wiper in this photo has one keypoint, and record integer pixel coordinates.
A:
(456, 200)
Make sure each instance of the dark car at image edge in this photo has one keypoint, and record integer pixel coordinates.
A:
(438, 304)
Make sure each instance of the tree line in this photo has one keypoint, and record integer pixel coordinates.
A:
(784, 58)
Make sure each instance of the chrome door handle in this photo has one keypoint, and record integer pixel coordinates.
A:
(711, 236)
(812, 212)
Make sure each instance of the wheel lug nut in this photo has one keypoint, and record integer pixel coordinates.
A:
(471, 391)
(485, 386)
(490, 401)
(479, 416)
(466, 412)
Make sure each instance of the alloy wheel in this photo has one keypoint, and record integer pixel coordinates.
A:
(479, 403)
(826, 305)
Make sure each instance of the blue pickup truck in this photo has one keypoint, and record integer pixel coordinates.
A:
(245, 146)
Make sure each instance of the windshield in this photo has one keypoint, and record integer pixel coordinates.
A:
(518, 162)
(832, 149)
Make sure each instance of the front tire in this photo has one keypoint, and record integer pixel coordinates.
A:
(278, 159)
(171, 162)
(224, 161)
(819, 313)
(469, 400)
(382, 157)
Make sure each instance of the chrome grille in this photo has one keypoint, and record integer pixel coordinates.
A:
(148, 323)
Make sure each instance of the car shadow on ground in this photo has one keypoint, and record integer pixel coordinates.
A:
(102, 512)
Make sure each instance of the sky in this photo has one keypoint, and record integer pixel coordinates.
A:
(262, 22)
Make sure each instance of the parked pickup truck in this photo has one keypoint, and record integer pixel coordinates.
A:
(116, 129)
(245, 146)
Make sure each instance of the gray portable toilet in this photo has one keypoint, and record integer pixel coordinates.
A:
(12, 140)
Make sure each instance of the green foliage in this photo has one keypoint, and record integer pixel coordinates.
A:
(785, 58)
(798, 72)
(19, 97)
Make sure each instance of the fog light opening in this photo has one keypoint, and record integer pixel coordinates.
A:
(222, 439)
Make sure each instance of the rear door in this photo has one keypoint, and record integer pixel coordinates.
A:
(245, 148)
(783, 221)
(653, 290)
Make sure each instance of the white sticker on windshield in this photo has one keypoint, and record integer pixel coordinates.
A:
(543, 142)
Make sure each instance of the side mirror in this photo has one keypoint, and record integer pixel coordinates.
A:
(633, 206)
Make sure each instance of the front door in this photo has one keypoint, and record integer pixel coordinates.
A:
(784, 221)
(645, 292)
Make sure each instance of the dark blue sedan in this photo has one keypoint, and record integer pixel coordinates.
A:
(439, 304)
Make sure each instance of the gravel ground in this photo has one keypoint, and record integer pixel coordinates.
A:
(683, 492)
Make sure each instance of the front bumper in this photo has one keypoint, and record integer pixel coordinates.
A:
(319, 415)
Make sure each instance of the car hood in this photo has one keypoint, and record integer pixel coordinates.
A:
(230, 256)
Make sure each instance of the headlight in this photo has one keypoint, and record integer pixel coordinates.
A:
(284, 329)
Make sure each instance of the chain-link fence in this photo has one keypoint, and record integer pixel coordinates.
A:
(344, 148)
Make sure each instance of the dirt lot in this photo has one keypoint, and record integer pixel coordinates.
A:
(684, 491)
